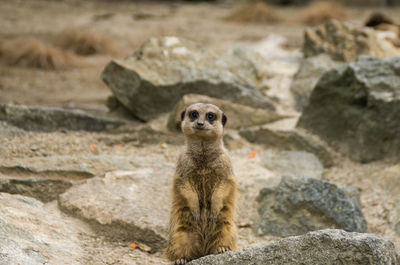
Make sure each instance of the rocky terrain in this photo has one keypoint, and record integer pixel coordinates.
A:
(87, 153)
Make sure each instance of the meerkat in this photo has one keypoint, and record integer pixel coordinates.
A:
(204, 189)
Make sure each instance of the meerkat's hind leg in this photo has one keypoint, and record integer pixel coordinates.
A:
(224, 240)
(185, 246)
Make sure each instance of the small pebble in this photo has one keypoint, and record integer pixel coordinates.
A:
(34, 148)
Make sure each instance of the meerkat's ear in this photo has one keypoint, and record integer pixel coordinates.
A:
(224, 119)
(183, 115)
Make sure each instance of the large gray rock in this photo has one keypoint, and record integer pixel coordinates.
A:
(125, 205)
(294, 163)
(356, 108)
(344, 42)
(51, 119)
(310, 71)
(298, 140)
(164, 69)
(301, 204)
(319, 247)
(328, 46)
(239, 116)
(33, 233)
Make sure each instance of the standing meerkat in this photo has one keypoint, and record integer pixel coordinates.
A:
(204, 189)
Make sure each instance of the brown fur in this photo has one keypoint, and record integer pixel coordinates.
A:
(204, 191)
(321, 12)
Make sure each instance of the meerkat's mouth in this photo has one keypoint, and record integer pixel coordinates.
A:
(200, 128)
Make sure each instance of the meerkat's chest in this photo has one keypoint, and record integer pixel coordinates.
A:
(205, 181)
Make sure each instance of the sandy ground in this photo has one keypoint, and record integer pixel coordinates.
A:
(128, 24)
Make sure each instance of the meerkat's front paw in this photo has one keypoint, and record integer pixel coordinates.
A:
(222, 250)
(180, 261)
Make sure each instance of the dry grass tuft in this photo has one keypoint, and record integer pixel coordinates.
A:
(256, 12)
(34, 53)
(321, 12)
(84, 42)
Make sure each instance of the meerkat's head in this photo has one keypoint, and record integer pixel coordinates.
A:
(203, 120)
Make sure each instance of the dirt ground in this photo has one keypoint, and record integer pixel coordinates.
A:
(127, 24)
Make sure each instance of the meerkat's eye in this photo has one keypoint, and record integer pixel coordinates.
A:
(211, 116)
(193, 115)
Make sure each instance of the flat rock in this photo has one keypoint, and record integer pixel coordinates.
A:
(45, 190)
(150, 133)
(356, 109)
(125, 205)
(68, 167)
(288, 140)
(50, 119)
(301, 204)
(294, 163)
(164, 69)
(319, 247)
(34, 233)
(44, 178)
(239, 116)
(345, 43)
(7, 130)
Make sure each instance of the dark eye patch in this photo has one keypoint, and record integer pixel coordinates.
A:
(211, 117)
(193, 115)
(183, 115)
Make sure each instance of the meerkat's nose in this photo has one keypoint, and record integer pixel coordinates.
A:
(200, 124)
